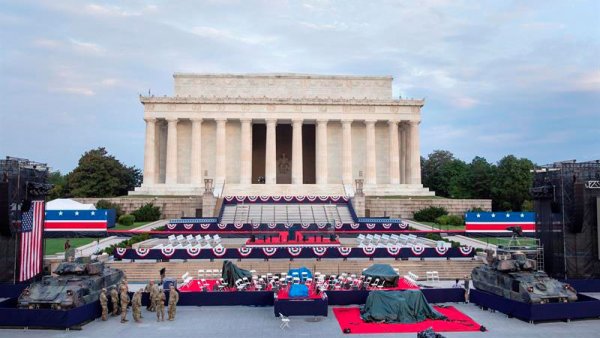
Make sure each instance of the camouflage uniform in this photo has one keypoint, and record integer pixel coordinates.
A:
(104, 304)
(159, 305)
(114, 299)
(173, 299)
(136, 306)
(124, 304)
(151, 289)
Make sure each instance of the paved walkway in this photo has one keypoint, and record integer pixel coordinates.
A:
(475, 243)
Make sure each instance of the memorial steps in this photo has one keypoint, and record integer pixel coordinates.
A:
(234, 189)
(447, 269)
(265, 213)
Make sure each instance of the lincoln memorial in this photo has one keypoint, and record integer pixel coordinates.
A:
(281, 134)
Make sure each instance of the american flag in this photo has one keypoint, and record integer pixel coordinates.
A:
(31, 241)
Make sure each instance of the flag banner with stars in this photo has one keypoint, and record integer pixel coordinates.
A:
(496, 222)
(32, 222)
(76, 220)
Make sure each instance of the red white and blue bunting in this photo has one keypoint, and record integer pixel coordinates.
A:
(295, 251)
(193, 251)
(319, 251)
(142, 252)
(344, 251)
(292, 252)
(269, 251)
(466, 250)
(417, 250)
(219, 251)
(245, 251)
(441, 250)
(296, 199)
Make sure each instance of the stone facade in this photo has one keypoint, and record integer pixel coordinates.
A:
(405, 207)
(170, 207)
(309, 134)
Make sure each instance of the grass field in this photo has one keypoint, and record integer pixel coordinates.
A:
(56, 245)
(444, 227)
(505, 240)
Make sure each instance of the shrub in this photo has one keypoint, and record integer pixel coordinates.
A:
(429, 214)
(104, 204)
(455, 220)
(147, 213)
(126, 220)
(442, 220)
(434, 236)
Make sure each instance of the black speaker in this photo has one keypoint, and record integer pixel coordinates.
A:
(578, 203)
(4, 210)
(252, 238)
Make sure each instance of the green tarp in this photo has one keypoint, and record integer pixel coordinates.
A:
(383, 272)
(231, 273)
(408, 306)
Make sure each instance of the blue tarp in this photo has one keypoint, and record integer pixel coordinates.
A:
(298, 290)
(300, 270)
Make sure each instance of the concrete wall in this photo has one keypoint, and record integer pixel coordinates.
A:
(405, 208)
(170, 207)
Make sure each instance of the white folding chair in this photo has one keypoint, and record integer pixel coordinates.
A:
(285, 321)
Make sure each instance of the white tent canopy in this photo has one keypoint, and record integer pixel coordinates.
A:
(68, 204)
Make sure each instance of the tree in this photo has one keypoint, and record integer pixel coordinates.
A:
(99, 174)
(511, 183)
(60, 185)
(432, 175)
(481, 174)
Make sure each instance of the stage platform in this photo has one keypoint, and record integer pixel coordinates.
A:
(281, 240)
(584, 307)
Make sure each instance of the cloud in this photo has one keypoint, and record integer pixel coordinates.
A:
(589, 82)
(86, 47)
(75, 91)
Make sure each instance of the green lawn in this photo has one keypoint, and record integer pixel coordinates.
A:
(444, 227)
(505, 240)
(56, 245)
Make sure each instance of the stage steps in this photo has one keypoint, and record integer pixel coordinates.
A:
(447, 269)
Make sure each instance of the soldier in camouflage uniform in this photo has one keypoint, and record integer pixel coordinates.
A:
(151, 289)
(136, 306)
(173, 299)
(114, 300)
(124, 303)
(159, 305)
(104, 304)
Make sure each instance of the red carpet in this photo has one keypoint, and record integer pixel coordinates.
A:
(457, 322)
(281, 239)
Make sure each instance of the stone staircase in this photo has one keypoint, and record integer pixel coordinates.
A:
(447, 269)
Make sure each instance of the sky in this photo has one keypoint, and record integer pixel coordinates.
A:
(499, 77)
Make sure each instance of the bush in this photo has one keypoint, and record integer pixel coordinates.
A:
(104, 204)
(429, 214)
(126, 220)
(455, 220)
(128, 243)
(442, 220)
(147, 213)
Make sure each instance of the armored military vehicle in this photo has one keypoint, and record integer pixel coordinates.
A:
(77, 283)
(514, 276)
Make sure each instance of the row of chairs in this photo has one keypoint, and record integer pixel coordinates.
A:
(197, 240)
(386, 240)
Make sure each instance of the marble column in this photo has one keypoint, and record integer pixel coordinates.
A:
(321, 152)
(196, 150)
(171, 165)
(221, 165)
(150, 172)
(403, 150)
(297, 164)
(394, 153)
(371, 165)
(271, 153)
(415, 156)
(246, 152)
(347, 152)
